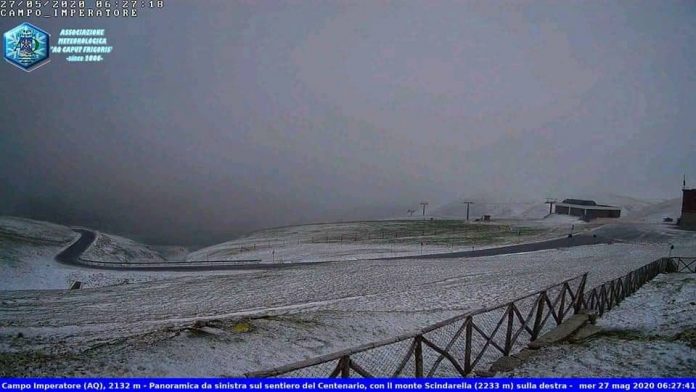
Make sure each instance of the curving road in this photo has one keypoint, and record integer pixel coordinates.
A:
(606, 234)
(71, 256)
(72, 253)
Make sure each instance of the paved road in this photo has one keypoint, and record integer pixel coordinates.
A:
(71, 256)
(604, 235)
(74, 251)
(576, 240)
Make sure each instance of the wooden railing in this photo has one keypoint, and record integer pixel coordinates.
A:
(456, 346)
(607, 295)
(683, 264)
(463, 344)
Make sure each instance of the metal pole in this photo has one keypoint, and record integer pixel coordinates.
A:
(468, 204)
(424, 204)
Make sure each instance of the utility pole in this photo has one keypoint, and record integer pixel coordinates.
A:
(468, 204)
(424, 204)
(550, 202)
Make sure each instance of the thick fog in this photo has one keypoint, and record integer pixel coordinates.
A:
(213, 118)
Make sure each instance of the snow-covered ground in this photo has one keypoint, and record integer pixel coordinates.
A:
(28, 230)
(377, 239)
(532, 209)
(28, 248)
(657, 212)
(650, 334)
(263, 319)
(171, 253)
(109, 248)
(294, 313)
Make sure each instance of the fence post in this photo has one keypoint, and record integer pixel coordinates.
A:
(580, 295)
(593, 299)
(561, 308)
(627, 284)
(344, 364)
(539, 315)
(612, 298)
(508, 334)
(467, 344)
(418, 353)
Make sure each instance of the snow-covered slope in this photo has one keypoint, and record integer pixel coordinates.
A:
(650, 334)
(28, 248)
(171, 253)
(367, 240)
(111, 248)
(28, 230)
(657, 212)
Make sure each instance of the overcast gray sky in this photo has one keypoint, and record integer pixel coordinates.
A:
(212, 118)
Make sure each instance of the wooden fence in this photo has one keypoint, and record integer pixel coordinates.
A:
(474, 340)
(683, 264)
(607, 295)
(457, 346)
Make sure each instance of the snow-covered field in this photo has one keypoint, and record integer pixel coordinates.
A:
(532, 209)
(293, 313)
(377, 239)
(263, 319)
(651, 334)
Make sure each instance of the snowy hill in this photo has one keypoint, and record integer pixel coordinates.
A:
(370, 239)
(29, 230)
(657, 212)
(28, 248)
(116, 249)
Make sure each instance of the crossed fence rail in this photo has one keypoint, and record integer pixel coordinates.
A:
(607, 295)
(472, 341)
(683, 264)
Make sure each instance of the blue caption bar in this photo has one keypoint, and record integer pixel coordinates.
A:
(314, 384)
